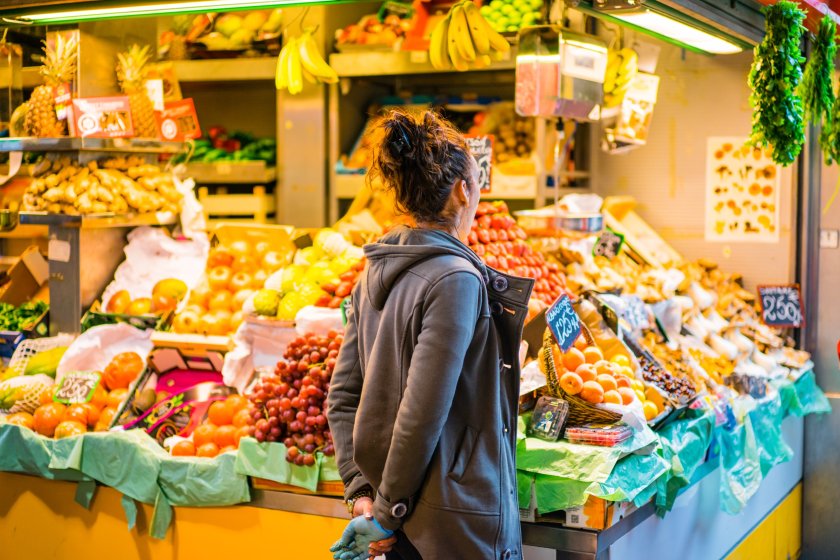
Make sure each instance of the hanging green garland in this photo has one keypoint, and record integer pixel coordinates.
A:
(774, 77)
(816, 89)
(830, 136)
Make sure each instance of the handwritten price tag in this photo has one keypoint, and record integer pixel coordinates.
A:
(77, 387)
(636, 313)
(608, 245)
(563, 322)
(481, 148)
(781, 306)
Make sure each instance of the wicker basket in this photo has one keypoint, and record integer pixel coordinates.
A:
(580, 411)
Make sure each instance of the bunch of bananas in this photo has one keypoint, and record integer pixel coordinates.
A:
(622, 67)
(464, 38)
(301, 59)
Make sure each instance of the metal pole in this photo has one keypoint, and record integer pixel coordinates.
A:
(808, 240)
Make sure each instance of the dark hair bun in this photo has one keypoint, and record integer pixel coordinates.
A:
(421, 157)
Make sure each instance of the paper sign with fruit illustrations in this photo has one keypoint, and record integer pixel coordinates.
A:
(742, 192)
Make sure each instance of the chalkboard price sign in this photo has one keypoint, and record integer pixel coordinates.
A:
(563, 322)
(77, 387)
(481, 148)
(608, 245)
(781, 306)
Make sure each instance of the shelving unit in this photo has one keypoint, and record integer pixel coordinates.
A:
(225, 70)
(399, 63)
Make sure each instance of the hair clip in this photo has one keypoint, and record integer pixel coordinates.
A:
(401, 145)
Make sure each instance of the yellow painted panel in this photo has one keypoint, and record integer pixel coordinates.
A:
(39, 519)
(778, 536)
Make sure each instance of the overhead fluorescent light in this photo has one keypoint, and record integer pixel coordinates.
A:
(139, 9)
(665, 23)
(668, 27)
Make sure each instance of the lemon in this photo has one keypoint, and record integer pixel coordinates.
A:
(620, 360)
(650, 409)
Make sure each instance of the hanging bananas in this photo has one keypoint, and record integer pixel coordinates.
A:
(622, 67)
(464, 39)
(301, 59)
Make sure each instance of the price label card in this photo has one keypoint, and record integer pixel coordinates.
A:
(481, 148)
(77, 387)
(178, 121)
(563, 322)
(636, 314)
(608, 245)
(781, 306)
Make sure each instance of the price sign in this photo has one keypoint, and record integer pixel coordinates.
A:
(635, 313)
(781, 306)
(563, 322)
(608, 245)
(77, 387)
(178, 121)
(481, 147)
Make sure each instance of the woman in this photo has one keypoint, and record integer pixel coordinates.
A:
(423, 399)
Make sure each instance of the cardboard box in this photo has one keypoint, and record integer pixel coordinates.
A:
(26, 277)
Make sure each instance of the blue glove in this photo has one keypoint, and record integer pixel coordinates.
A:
(354, 543)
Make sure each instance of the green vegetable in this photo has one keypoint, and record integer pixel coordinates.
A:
(775, 74)
(816, 89)
(21, 318)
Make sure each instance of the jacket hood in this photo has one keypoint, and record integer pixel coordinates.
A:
(401, 249)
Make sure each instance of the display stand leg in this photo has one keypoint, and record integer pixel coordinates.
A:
(65, 280)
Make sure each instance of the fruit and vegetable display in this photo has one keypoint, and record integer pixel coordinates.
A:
(322, 275)
(58, 69)
(509, 15)
(234, 146)
(23, 317)
(500, 242)
(119, 185)
(165, 296)
(371, 31)
(290, 406)
(235, 31)
(234, 272)
(464, 39)
(299, 60)
(227, 422)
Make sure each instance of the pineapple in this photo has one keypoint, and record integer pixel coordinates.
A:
(59, 66)
(131, 74)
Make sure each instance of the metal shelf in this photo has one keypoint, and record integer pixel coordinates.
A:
(124, 145)
(226, 70)
(96, 221)
(231, 173)
(399, 63)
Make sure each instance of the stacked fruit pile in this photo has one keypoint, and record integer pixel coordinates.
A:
(166, 295)
(510, 15)
(500, 243)
(53, 419)
(121, 185)
(370, 31)
(234, 271)
(227, 422)
(302, 59)
(322, 274)
(290, 405)
(584, 371)
(464, 38)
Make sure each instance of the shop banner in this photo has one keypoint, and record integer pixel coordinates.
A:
(742, 192)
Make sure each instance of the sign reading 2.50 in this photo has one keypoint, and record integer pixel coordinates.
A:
(563, 322)
(781, 306)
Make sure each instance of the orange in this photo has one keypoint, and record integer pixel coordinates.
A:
(580, 343)
(93, 414)
(241, 418)
(593, 354)
(207, 450)
(116, 398)
(557, 356)
(603, 366)
(622, 381)
(205, 433)
(227, 448)
(107, 416)
(628, 395)
(225, 435)
(236, 402)
(79, 413)
(100, 397)
(183, 448)
(571, 383)
(46, 397)
(612, 396)
(70, 428)
(592, 392)
(244, 431)
(220, 414)
(573, 359)
(586, 372)
(47, 417)
(620, 360)
(650, 409)
(23, 419)
(607, 381)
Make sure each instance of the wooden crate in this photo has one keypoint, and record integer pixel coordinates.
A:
(256, 207)
(328, 488)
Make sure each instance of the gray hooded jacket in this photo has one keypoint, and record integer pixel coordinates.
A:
(423, 399)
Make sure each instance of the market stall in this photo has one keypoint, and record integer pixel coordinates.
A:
(171, 327)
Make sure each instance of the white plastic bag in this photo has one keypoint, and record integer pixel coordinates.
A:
(255, 345)
(318, 320)
(96, 347)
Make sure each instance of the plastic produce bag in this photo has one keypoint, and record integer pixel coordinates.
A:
(199, 481)
(318, 320)
(740, 467)
(268, 460)
(255, 345)
(97, 346)
(766, 421)
(24, 451)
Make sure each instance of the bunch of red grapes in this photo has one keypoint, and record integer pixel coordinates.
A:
(289, 406)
